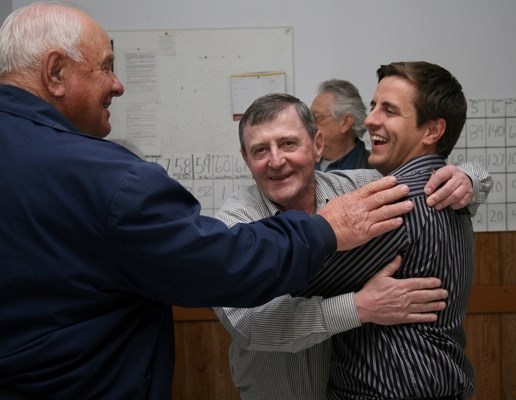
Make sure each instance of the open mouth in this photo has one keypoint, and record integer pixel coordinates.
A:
(378, 140)
(281, 177)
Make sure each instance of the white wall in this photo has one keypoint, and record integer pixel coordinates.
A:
(6, 7)
(349, 39)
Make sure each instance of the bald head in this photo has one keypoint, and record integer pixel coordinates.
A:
(61, 54)
(29, 32)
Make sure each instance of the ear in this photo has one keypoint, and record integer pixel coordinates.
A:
(53, 71)
(347, 123)
(244, 156)
(434, 132)
(318, 146)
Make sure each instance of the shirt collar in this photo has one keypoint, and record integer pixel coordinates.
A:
(321, 188)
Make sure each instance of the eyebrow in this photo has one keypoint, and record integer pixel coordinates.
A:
(385, 104)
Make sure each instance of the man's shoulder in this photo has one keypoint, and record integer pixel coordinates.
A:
(245, 205)
(344, 181)
(416, 173)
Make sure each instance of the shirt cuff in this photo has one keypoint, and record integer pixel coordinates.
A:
(474, 180)
(340, 313)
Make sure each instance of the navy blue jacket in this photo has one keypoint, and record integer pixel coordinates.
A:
(357, 158)
(96, 244)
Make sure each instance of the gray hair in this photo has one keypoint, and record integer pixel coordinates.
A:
(28, 32)
(347, 101)
(268, 107)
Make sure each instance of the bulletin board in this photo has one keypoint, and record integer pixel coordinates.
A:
(177, 96)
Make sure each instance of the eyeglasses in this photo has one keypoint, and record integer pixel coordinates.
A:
(318, 118)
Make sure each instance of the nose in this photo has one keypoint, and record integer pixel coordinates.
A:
(371, 119)
(276, 158)
(118, 88)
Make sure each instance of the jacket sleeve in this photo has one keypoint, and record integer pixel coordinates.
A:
(286, 323)
(162, 247)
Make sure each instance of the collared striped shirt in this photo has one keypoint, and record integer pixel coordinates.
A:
(411, 360)
(279, 350)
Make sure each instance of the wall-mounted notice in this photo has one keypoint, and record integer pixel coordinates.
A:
(489, 138)
(245, 88)
(178, 88)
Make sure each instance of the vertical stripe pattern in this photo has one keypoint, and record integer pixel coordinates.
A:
(412, 360)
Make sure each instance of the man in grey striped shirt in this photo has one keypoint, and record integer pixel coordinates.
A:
(281, 146)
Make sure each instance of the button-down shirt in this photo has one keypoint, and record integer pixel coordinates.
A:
(279, 349)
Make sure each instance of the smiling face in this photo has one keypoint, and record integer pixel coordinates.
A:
(392, 124)
(281, 156)
(90, 85)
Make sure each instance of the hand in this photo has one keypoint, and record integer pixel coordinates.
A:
(385, 300)
(457, 189)
(367, 212)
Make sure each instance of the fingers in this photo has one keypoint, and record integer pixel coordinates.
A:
(384, 183)
(424, 304)
(414, 284)
(386, 301)
(438, 178)
(360, 216)
(452, 187)
(420, 318)
(424, 312)
(418, 299)
(453, 193)
(380, 198)
(387, 217)
(381, 192)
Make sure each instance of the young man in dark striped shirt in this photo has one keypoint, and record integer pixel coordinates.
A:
(416, 117)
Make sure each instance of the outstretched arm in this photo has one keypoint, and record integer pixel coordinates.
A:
(293, 324)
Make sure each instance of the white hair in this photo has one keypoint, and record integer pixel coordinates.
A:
(28, 32)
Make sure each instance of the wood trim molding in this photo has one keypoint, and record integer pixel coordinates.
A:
(483, 300)
(492, 300)
(193, 314)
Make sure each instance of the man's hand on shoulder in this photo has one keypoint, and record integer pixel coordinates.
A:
(369, 211)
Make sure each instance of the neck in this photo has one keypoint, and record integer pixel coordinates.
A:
(306, 203)
(25, 82)
(333, 152)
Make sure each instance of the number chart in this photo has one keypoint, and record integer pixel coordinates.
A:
(489, 138)
(211, 178)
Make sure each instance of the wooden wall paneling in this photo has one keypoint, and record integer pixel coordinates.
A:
(508, 345)
(487, 260)
(483, 330)
(202, 365)
(508, 252)
(483, 350)
(508, 338)
(491, 331)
